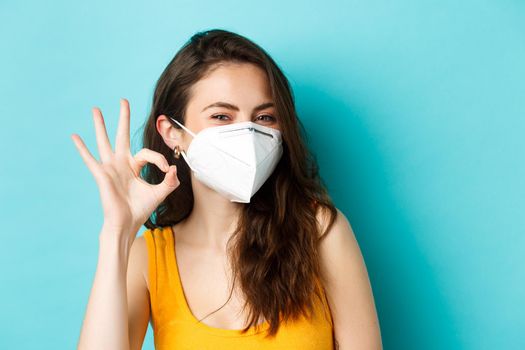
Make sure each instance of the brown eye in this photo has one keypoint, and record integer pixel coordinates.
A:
(216, 116)
(266, 118)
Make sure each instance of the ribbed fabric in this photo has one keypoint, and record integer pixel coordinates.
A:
(175, 327)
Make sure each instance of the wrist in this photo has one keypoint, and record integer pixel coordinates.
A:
(119, 230)
(118, 237)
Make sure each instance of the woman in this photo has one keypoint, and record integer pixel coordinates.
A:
(244, 248)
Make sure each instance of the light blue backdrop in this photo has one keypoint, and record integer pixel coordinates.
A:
(415, 110)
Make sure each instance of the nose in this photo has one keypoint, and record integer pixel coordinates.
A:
(244, 117)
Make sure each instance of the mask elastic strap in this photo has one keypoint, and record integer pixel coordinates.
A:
(186, 159)
(185, 128)
(184, 152)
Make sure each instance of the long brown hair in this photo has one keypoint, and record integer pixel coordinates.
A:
(275, 255)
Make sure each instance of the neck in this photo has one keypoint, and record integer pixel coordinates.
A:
(212, 219)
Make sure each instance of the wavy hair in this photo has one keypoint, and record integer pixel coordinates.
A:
(275, 255)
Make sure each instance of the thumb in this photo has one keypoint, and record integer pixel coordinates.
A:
(170, 182)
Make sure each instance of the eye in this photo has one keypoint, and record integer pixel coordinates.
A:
(216, 116)
(266, 117)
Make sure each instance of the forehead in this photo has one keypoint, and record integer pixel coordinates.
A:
(243, 84)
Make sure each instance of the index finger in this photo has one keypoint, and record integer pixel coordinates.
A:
(87, 157)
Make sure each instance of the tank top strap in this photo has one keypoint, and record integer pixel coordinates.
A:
(323, 305)
(166, 294)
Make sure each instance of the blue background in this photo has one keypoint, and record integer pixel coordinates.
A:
(415, 110)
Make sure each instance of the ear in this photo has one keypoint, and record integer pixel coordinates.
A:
(171, 135)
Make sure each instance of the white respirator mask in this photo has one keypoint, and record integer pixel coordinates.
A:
(235, 159)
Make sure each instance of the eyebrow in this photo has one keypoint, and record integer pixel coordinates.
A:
(235, 108)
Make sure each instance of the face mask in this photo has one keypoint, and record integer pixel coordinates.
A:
(235, 159)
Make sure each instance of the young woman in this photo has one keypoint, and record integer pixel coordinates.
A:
(244, 248)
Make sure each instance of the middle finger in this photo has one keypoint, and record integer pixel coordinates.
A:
(122, 143)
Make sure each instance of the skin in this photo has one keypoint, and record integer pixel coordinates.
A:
(201, 238)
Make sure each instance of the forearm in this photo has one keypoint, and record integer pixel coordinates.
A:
(105, 324)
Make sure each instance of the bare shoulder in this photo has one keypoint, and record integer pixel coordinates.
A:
(338, 242)
(339, 250)
(337, 228)
(138, 259)
(347, 285)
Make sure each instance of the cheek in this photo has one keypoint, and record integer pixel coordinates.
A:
(186, 140)
(196, 123)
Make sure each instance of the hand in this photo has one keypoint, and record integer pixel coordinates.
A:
(127, 200)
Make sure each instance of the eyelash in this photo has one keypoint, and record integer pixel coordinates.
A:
(262, 115)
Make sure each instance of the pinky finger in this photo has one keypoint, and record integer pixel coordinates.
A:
(88, 158)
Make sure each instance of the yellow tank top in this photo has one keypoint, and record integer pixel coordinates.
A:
(175, 327)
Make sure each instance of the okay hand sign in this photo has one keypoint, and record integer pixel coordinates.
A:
(127, 200)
